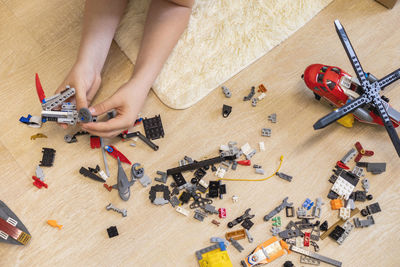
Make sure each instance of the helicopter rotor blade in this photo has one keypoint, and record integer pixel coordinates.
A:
(351, 54)
(389, 79)
(340, 112)
(388, 123)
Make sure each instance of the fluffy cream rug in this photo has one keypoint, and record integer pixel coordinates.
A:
(223, 37)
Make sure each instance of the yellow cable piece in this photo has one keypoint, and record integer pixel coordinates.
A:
(254, 180)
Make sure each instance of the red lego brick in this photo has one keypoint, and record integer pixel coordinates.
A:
(94, 141)
(222, 212)
(38, 183)
(306, 239)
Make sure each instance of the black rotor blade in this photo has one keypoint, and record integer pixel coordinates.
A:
(388, 124)
(351, 54)
(340, 112)
(389, 79)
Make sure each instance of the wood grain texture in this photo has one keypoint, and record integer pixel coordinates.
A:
(158, 236)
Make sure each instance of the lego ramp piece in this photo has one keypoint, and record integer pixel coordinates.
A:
(223, 27)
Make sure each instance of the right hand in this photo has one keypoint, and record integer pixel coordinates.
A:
(86, 81)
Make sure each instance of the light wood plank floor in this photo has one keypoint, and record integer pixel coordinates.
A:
(43, 36)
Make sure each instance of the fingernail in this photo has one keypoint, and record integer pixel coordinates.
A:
(92, 110)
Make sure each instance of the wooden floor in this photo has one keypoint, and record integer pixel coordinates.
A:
(43, 36)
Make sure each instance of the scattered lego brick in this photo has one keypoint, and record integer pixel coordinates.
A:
(38, 135)
(94, 141)
(237, 235)
(226, 111)
(48, 157)
(336, 204)
(222, 213)
(226, 91)
(112, 231)
(153, 127)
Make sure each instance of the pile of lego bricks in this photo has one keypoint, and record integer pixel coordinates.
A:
(298, 235)
(180, 192)
(305, 232)
(344, 193)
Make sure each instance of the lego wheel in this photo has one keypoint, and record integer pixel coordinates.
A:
(85, 115)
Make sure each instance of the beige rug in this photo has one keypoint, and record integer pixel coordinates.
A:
(223, 37)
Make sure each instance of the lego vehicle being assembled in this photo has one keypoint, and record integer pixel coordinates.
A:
(57, 109)
(360, 99)
(338, 87)
(266, 252)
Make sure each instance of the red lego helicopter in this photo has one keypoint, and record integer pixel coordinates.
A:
(358, 97)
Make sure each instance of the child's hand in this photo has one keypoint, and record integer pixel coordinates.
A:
(86, 82)
(127, 101)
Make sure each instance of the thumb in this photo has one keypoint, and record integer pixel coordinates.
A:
(80, 99)
(103, 107)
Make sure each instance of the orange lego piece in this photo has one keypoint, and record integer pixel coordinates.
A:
(54, 224)
(237, 235)
(261, 88)
(336, 204)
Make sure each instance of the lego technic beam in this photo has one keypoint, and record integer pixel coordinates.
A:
(351, 54)
(315, 256)
(389, 79)
(199, 164)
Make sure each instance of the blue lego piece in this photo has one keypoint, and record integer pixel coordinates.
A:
(222, 246)
(308, 204)
(25, 120)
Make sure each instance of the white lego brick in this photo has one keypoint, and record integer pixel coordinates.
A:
(261, 96)
(220, 173)
(342, 188)
(103, 175)
(203, 183)
(182, 211)
(246, 149)
(299, 242)
(262, 146)
(344, 213)
(224, 147)
(235, 199)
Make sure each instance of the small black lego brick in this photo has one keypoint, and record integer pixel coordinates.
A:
(226, 110)
(200, 173)
(364, 212)
(247, 224)
(324, 226)
(332, 195)
(179, 179)
(48, 157)
(185, 197)
(289, 211)
(337, 233)
(153, 127)
(222, 189)
(360, 196)
(288, 264)
(370, 197)
(112, 231)
(373, 208)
